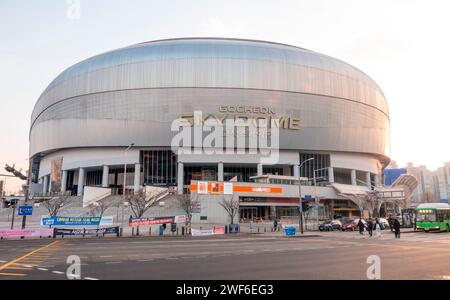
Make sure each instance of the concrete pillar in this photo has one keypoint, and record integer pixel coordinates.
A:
(45, 185)
(331, 174)
(105, 176)
(259, 170)
(220, 171)
(377, 180)
(296, 170)
(137, 177)
(180, 177)
(64, 181)
(369, 184)
(49, 183)
(353, 177)
(80, 181)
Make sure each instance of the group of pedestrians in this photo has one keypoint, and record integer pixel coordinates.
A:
(375, 225)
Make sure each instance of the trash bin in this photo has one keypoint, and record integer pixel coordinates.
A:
(161, 230)
(230, 228)
(289, 230)
(236, 228)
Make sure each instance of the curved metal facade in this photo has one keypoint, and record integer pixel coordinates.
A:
(132, 95)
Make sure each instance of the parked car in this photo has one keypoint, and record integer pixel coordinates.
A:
(330, 225)
(352, 225)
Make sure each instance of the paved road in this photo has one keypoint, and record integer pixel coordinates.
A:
(335, 255)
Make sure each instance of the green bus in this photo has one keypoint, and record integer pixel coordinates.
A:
(433, 217)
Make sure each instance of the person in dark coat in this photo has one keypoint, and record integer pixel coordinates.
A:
(391, 223)
(370, 225)
(361, 226)
(275, 225)
(397, 228)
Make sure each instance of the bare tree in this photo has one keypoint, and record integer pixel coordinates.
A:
(98, 208)
(186, 203)
(142, 201)
(231, 206)
(54, 204)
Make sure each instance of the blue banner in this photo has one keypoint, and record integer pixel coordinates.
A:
(25, 210)
(70, 221)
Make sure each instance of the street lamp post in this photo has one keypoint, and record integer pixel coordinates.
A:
(125, 178)
(300, 194)
(125, 170)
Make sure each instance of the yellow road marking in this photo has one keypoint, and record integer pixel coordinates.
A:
(4, 266)
(17, 268)
(12, 274)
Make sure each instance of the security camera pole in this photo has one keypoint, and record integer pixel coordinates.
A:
(300, 194)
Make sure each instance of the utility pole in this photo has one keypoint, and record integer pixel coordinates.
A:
(27, 194)
(300, 194)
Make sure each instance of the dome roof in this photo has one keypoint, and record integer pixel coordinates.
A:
(213, 63)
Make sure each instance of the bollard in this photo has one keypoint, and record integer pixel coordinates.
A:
(182, 230)
(264, 228)
(120, 232)
(177, 230)
(226, 229)
(150, 231)
(258, 229)
(132, 231)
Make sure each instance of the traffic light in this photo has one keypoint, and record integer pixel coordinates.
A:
(305, 206)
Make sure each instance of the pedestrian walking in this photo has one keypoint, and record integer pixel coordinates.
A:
(361, 226)
(377, 228)
(391, 223)
(370, 225)
(275, 225)
(397, 228)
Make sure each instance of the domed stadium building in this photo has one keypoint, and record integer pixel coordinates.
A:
(113, 114)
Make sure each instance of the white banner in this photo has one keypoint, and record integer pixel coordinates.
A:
(202, 187)
(228, 188)
(107, 220)
(180, 219)
(205, 232)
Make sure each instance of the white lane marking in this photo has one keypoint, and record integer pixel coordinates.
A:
(171, 258)
(144, 260)
(90, 278)
(57, 272)
(42, 269)
(113, 262)
(73, 276)
(105, 255)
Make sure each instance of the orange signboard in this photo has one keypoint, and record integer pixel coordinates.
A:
(217, 188)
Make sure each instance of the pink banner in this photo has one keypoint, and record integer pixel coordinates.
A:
(26, 232)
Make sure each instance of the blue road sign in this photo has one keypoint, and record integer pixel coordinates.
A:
(25, 210)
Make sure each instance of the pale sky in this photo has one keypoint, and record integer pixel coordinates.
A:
(403, 45)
